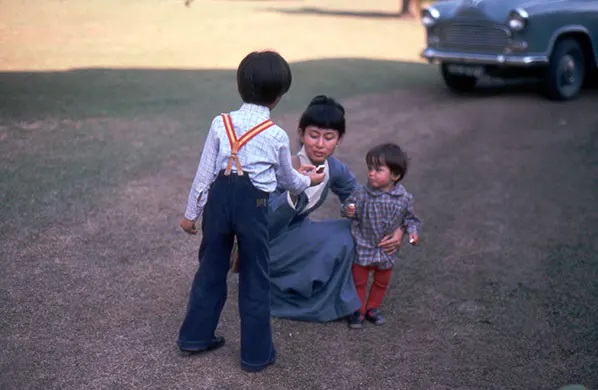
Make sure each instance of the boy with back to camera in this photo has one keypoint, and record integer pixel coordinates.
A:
(245, 155)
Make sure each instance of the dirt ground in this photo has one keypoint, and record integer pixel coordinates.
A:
(96, 165)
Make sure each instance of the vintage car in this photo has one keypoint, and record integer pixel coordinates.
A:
(555, 40)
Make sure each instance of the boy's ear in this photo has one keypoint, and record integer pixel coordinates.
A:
(395, 177)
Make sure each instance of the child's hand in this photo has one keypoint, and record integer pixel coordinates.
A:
(413, 238)
(305, 169)
(350, 210)
(188, 226)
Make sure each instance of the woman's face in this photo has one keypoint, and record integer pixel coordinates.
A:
(319, 143)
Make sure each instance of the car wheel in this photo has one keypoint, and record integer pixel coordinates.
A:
(565, 74)
(457, 82)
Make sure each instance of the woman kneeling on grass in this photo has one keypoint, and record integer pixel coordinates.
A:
(310, 261)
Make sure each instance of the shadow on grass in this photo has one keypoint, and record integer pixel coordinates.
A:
(116, 92)
(332, 12)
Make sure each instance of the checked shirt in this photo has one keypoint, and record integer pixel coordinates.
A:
(377, 214)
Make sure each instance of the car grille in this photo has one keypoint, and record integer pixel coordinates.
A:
(473, 37)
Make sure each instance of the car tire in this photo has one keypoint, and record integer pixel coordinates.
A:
(564, 76)
(456, 82)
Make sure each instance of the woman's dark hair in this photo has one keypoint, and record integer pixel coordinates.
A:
(324, 112)
(390, 155)
(263, 77)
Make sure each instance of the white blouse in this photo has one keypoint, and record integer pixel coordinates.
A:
(313, 193)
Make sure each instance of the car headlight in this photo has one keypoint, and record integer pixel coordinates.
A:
(517, 20)
(429, 16)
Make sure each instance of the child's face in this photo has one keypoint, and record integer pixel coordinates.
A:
(381, 177)
(319, 143)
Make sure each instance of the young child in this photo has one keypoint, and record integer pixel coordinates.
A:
(378, 209)
(244, 157)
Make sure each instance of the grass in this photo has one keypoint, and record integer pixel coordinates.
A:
(76, 134)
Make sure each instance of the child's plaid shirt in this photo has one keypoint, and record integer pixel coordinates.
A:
(378, 214)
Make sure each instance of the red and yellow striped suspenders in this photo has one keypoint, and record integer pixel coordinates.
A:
(237, 143)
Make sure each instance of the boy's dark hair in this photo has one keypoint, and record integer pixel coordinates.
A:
(263, 77)
(324, 112)
(390, 155)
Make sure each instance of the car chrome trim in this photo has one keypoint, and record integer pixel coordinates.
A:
(484, 59)
(523, 13)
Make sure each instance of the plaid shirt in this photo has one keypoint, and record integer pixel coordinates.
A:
(266, 158)
(377, 214)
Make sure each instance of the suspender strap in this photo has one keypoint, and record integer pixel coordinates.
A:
(237, 143)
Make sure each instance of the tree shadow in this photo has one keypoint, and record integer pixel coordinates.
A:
(342, 13)
(90, 92)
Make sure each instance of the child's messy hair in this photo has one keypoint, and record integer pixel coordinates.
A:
(390, 155)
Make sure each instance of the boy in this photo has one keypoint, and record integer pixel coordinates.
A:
(244, 157)
(378, 208)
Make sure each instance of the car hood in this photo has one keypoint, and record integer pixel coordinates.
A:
(496, 10)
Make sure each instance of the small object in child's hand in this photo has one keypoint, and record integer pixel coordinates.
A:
(412, 240)
(320, 168)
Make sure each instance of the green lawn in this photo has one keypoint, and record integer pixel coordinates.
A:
(70, 137)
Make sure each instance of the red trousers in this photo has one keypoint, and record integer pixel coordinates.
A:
(378, 288)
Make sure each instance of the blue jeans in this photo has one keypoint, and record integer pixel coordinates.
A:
(234, 208)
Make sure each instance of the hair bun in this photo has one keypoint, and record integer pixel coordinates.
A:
(325, 100)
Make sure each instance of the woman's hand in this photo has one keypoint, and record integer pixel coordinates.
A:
(392, 242)
(316, 178)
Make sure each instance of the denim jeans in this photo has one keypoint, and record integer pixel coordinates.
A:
(234, 208)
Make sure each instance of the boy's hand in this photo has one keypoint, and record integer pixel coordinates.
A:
(350, 210)
(188, 226)
(305, 169)
(310, 170)
(413, 238)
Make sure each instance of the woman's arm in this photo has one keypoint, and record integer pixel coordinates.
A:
(342, 180)
(405, 220)
(392, 242)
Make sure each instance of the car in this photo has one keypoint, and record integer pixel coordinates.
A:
(555, 41)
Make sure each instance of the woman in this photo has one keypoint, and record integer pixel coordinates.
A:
(310, 261)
